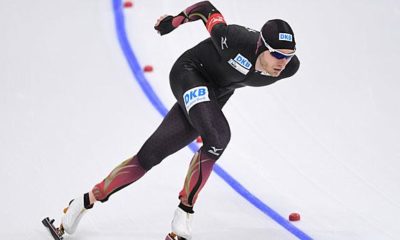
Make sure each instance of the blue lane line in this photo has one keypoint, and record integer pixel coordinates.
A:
(157, 103)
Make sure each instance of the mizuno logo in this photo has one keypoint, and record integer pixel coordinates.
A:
(223, 43)
(215, 151)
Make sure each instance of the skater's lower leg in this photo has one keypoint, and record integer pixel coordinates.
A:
(215, 132)
(124, 174)
(199, 171)
(123, 168)
(208, 119)
(121, 176)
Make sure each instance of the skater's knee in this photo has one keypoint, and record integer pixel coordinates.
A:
(148, 161)
(216, 142)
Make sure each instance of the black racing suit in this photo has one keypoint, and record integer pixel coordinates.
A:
(218, 65)
(202, 80)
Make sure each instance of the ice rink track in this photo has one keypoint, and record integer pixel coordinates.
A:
(324, 143)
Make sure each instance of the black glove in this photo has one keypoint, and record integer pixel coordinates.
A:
(165, 26)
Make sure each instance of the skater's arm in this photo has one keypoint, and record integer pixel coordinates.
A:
(204, 11)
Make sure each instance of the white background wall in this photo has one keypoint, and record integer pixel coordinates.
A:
(325, 143)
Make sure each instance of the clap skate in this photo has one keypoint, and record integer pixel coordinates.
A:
(173, 236)
(70, 219)
(181, 226)
(57, 233)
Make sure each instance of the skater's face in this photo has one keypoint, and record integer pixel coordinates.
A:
(272, 65)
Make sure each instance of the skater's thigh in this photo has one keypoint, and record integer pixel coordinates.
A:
(198, 99)
(188, 84)
(174, 133)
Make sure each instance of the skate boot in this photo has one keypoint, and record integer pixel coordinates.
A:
(74, 213)
(181, 226)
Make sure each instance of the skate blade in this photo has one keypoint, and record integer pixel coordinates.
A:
(56, 233)
(173, 236)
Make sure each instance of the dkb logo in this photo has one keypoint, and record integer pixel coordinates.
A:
(243, 61)
(286, 37)
(194, 96)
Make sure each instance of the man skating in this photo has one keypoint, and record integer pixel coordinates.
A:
(202, 80)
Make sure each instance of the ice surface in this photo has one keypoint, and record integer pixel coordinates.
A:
(324, 143)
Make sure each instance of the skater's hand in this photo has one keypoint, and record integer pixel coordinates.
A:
(164, 24)
(160, 19)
